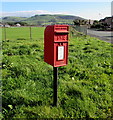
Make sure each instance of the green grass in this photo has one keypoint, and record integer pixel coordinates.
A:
(15, 33)
(85, 84)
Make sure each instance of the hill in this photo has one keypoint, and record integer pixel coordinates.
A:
(13, 19)
(43, 19)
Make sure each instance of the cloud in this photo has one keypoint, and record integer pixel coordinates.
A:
(29, 13)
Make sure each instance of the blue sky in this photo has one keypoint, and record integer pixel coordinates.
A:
(88, 10)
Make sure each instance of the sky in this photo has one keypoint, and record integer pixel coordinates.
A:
(87, 10)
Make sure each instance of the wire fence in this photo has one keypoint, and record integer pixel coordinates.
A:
(82, 29)
(22, 32)
(33, 32)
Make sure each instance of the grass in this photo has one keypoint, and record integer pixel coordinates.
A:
(85, 84)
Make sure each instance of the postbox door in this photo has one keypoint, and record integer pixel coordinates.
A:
(60, 54)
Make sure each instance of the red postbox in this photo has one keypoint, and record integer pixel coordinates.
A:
(56, 45)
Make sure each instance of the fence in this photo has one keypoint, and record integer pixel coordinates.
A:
(33, 32)
(21, 32)
(82, 29)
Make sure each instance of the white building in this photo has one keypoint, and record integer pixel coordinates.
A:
(18, 25)
(7, 26)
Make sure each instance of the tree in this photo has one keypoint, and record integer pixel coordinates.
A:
(95, 22)
(10, 23)
(76, 22)
(80, 22)
(100, 25)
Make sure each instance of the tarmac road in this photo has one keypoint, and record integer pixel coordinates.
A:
(102, 35)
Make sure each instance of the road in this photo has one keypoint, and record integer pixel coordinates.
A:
(103, 35)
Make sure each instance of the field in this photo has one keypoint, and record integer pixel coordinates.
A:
(85, 84)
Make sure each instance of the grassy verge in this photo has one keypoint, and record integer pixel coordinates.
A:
(84, 84)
